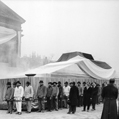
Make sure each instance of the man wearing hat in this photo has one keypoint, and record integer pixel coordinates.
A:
(54, 96)
(14, 103)
(94, 95)
(18, 95)
(82, 96)
(73, 97)
(41, 95)
(109, 95)
(99, 94)
(28, 93)
(66, 90)
(60, 96)
(87, 97)
(9, 97)
(49, 94)
(80, 93)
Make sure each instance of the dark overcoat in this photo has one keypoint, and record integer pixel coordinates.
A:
(60, 95)
(109, 95)
(94, 94)
(73, 96)
(87, 96)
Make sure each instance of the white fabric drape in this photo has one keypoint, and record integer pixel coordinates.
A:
(69, 66)
(6, 34)
(96, 71)
(75, 66)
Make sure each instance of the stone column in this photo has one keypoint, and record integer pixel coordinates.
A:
(19, 43)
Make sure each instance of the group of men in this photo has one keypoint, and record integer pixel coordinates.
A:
(14, 96)
(57, 96)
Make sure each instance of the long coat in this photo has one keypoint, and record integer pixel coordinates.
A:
(73, 96)
(94, 94)
(87, 96)
(60, 95)
(109, 95)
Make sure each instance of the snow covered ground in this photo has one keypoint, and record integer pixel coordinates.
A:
(61, 114)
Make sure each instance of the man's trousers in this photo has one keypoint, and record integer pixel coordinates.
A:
(72, 108)
(88, 107)
(94, 102)
(65, 101)
(79, 101)
(41, 104)
(55, 103)
(10, 106)
(28, 105)
(14, 106)
(49, 103)
(18, 106)
(60, 103)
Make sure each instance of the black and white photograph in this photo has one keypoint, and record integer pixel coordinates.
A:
(59, 59)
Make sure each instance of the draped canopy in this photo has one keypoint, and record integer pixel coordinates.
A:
(76, 66)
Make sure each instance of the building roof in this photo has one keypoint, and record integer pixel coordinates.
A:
(8, 13)
(67, 56)
(101, 64)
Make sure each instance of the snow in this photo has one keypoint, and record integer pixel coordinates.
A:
(61, 114)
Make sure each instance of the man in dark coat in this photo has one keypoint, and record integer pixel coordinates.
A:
(80, 93)
(94, 95)
(73, 97)
(41, 95)
(87, 97)
(54, 96)
(14, 103)
(109, 94)
(82, 96)
(49, 94)
(9, 97)
(99, 94)
(60, 95)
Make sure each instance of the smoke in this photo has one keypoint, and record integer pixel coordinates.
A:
(9, 61)
(12, 65)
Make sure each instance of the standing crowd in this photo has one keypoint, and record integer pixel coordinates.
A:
(54, 97)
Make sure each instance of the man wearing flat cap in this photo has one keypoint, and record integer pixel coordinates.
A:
(60, 95)
(28, 93)
(109, 95)
(9, 97)
(18, 95)
(54, 96)
(94, 95)
(73, 98)
(80, 93)
(14, 103)
(49, 94)
(82, 96)
(66, 90)
(41, 95)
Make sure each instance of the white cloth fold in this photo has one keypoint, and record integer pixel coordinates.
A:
(6, 34)
(87, 67)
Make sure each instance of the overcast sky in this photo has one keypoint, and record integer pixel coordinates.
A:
(54, 27)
